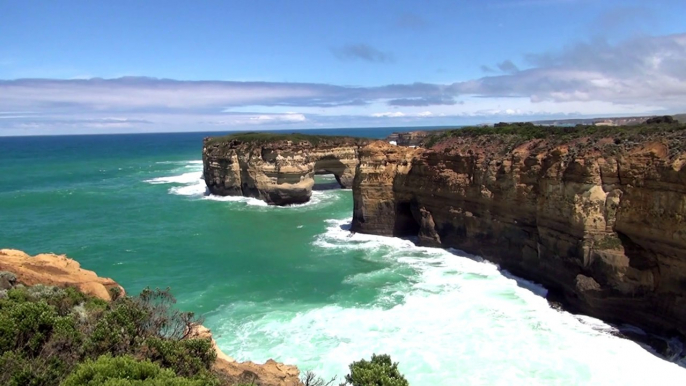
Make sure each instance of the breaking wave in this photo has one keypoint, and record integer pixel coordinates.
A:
(191, 184)
(449, 319)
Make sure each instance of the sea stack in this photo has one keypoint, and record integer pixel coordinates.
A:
(277, 168)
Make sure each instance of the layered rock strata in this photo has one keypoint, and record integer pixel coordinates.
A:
(599, 221)
(279, 171)
(61, 271)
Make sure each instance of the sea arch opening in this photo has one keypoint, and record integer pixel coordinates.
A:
(331, 173)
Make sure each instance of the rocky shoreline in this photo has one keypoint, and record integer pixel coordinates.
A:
(597, 215)
(60, 271)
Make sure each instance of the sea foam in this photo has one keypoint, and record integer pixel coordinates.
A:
(192, 184)
(447, 317)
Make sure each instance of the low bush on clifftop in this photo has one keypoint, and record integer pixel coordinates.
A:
(262, 137)
(519, 132)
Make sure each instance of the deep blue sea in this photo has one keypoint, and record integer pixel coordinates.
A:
(289, 283)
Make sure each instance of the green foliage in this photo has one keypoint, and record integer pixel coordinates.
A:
(124, 371)
(380, 371)
(668, 119)
(520, 132)
(45, 332)
(608, 242)
(187, 357)
(261, 137)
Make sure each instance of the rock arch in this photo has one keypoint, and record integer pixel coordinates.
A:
(279, 171)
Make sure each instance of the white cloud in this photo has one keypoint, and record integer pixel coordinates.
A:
(395, 114)
(288, 117)
(643, 75)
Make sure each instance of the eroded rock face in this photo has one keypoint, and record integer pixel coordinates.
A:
(279, 172)
(600, 223)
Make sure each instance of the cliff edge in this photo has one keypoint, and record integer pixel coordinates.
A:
(277, 168)
(597, 215)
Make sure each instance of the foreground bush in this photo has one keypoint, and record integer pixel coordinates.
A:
(47, 332)
(51, 336)
(380, 371)
(124, 371)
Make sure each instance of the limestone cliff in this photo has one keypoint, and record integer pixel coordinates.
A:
(61, 271)
(598, 219)
(278, 169)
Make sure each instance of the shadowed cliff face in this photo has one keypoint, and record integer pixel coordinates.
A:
(601, 223)
(279, 172)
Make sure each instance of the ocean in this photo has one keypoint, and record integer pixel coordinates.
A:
(291, 283)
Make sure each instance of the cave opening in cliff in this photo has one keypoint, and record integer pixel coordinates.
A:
(326, 181)
(406, 225)
(327, 173)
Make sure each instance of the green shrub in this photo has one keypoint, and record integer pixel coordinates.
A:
(124, 371)
(380, 371)
(186, 357)
(45, 332)
(263, 137)
(518, 132)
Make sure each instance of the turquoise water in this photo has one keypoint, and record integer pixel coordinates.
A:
(289, 283)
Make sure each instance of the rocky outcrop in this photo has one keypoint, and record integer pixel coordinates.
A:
(55, 270)
(61, 271)
(278, 169)
(599, 221)
(271, 373)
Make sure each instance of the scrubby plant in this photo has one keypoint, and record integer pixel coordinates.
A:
(125, 371)
(380, 371)
(518, 132)
(46, 332)
(263, 137)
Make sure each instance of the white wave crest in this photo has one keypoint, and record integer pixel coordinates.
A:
(185, 178)
(193, 185)
(448, 318)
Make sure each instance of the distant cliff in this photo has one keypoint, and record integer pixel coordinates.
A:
(411, 138)
(597, 215)
(278, 169)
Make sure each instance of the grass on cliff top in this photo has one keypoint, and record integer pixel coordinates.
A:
(524, 131)
(258, 137)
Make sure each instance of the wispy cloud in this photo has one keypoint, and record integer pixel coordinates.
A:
(423, 101)
(508, 67)
(411, 21)
(363, 52)
(637, 76)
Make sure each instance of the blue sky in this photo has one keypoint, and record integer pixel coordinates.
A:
(131, 66)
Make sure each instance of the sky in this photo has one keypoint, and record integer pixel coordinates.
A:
(72, 67)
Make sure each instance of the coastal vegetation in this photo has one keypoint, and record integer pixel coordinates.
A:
(52, 336)
(263, 137)
(60, 336)
(519, 132)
